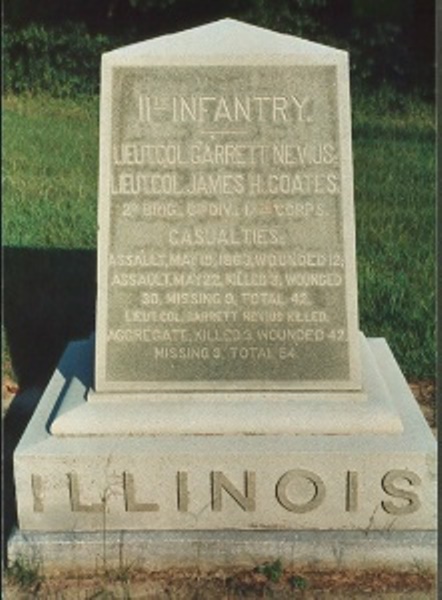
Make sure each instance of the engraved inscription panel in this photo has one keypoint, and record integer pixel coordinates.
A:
(298, 490)
(226, 257)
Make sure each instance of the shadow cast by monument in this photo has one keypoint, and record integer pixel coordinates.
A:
(14, 423)
(49, 299)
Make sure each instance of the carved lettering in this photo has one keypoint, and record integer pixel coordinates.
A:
(183, 491)
(228, 208)
(76, 504)
(292, 476)
(351, 504)
(287, 184)
(298, 491)
(129, 497)
(213, 109)
(37, 492)
(389, 482)
(246, 501)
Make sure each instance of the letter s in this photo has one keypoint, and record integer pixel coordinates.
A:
(388, 484)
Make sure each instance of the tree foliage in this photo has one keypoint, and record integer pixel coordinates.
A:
(390, 41)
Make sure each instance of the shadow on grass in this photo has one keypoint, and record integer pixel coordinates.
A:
(49, 299)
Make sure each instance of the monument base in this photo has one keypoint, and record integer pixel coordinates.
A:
(223, 488)
(83, 412)
(157, 550)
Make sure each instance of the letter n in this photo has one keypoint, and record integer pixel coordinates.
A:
(246, 501)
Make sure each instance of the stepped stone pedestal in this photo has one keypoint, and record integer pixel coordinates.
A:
(228, 410)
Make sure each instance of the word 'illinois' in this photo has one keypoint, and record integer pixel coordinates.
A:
(397, 485)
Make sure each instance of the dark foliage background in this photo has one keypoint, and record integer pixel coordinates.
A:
(55, 45)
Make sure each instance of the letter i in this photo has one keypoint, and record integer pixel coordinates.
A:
(37, 492)
(182, 491)
(351, 504)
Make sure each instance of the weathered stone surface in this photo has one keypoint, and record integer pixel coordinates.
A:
(220, 413)
(404, 550)
(296, 482)
(226, 239)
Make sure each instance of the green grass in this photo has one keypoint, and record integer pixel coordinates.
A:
(394, 158)
(50, 183)
(25, 574)
(273, 571)
(50, 203)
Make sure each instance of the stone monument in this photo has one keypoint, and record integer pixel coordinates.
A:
(228, 409)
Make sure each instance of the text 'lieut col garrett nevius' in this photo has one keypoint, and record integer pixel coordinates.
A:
(225, 109)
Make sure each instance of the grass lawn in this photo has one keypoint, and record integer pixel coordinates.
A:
(50, 185)
(49, 231)
(394, 160)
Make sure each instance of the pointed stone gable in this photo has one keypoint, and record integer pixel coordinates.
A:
(224, 37)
